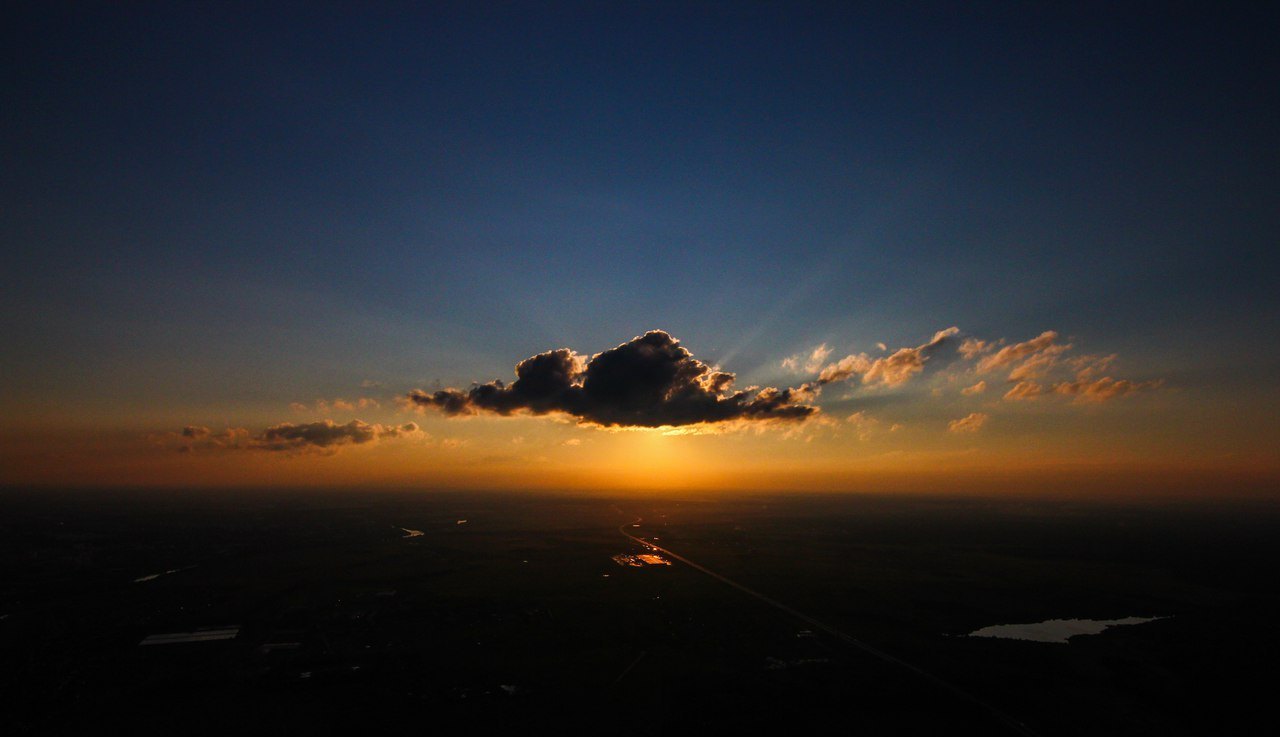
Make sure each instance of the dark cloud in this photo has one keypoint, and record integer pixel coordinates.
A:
(326, 435)
(197, 437)
(408, 428)
(648, 381)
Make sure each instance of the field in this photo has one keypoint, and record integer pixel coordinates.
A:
(520, 618)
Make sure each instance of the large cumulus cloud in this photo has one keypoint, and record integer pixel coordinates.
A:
(649, 381)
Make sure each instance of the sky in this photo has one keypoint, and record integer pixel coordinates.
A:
(937, 245)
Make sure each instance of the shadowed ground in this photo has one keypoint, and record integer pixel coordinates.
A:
(520, 617)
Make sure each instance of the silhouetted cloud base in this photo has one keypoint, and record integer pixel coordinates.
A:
(649, 381)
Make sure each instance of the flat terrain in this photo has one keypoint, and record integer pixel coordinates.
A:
(520, 618)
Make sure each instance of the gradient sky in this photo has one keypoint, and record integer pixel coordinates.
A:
(228, 217)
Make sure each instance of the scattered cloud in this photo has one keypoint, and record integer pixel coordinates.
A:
(1038, 364)
(649, 381)
(972, 422)
(326, 435)
(1013, 353)
(1103, 389)
(864, 425)
(807, 363)
(197, 437)
(1032, 365)
(652, 381)
(972, 347)
(326, 406)
(1024, 390)
(845, 368)
(895, 369)
(1087, 367)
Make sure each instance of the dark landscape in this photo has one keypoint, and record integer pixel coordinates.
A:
(520, 617)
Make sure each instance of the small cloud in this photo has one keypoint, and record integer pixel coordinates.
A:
(1039, 364)
(692, 430)
(325, 435)
(325, 406)
(978, 388)
(1032, 364)
(370, 384)
(882, 347)
(972, 347)
(572, 442)
(845, 368)
(1013, 353)
(353, 405)
(892, 370)
(864, 425)
(970, 423)
(1103, 389)
(408, 428)
(1087, 367)
(807, 363)
(196, 437)
(1023, 390)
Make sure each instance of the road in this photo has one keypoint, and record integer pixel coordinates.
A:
(842, 637)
